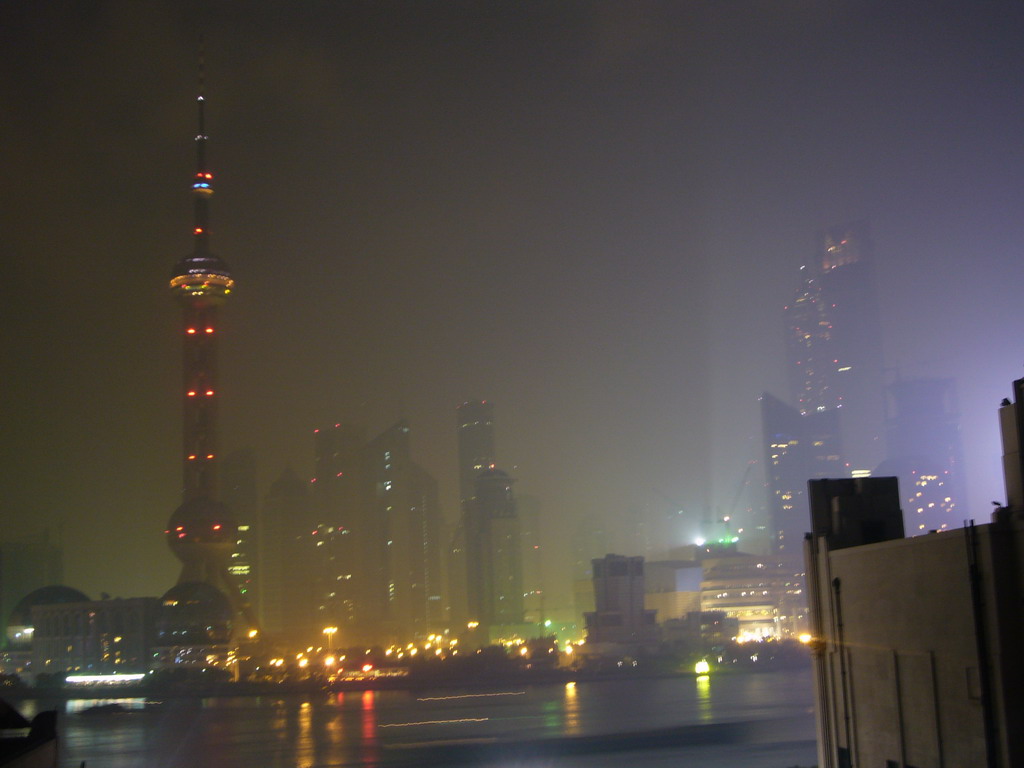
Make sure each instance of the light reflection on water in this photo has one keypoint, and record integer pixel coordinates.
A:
(703, 683)
(360, 728)
(571, 707)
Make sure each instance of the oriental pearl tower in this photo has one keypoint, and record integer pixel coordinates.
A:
(201, 532)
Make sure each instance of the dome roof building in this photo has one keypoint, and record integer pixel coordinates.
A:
(20, 626)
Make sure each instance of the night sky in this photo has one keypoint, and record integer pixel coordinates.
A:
(591, 213)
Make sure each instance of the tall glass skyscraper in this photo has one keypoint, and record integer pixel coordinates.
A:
(834, 341)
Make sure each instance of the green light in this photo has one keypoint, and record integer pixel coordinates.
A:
(702, 667)
(547, 622)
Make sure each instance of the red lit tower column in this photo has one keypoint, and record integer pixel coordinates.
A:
(201, 532)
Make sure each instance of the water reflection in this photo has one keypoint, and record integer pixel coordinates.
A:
(704, 698)
(362, 728)
(571, 704)
(333, 731)
(369, 747)
(77, 706)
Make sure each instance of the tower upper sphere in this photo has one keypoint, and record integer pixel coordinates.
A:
(201, 278)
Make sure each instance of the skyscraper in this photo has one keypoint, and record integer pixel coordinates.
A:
(475, 421)
(798, 447)
(376, 563)
(238, 491)
(925, 453)
(406, 505)
(288, 598)
(834, 351)
(349, 552)
(202, 531)
(528, 509)
(494, 580)
(834, 340)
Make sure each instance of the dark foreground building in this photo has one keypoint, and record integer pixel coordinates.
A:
(917, 640)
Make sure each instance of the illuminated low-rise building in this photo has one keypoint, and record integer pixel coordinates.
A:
(98, 637)
(764, 595)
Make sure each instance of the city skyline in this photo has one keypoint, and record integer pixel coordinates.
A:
(568, 211)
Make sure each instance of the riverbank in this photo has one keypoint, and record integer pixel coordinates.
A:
(417, 680)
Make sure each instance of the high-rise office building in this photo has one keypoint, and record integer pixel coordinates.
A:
(286, 581)
(238, 492)
(474, 421)
(798, 447)
(925, 453)
(348, 554)
(494, 581)
(377, 560)
(834, 351)
(406, 504)
(528, 510)
(202, 531)
(834, 340)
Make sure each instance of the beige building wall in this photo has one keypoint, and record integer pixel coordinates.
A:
(900, 674)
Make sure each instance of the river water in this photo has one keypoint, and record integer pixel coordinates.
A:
(755, 720)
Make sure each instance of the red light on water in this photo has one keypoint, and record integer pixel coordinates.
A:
(197, 231)
(191, 393)
(209, 392)
(209, 330)
(191, 330)
(209, 455)
(216, 527)
(191, 457)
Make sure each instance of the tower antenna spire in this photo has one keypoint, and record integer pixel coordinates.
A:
(202, 184)
(202, 81)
